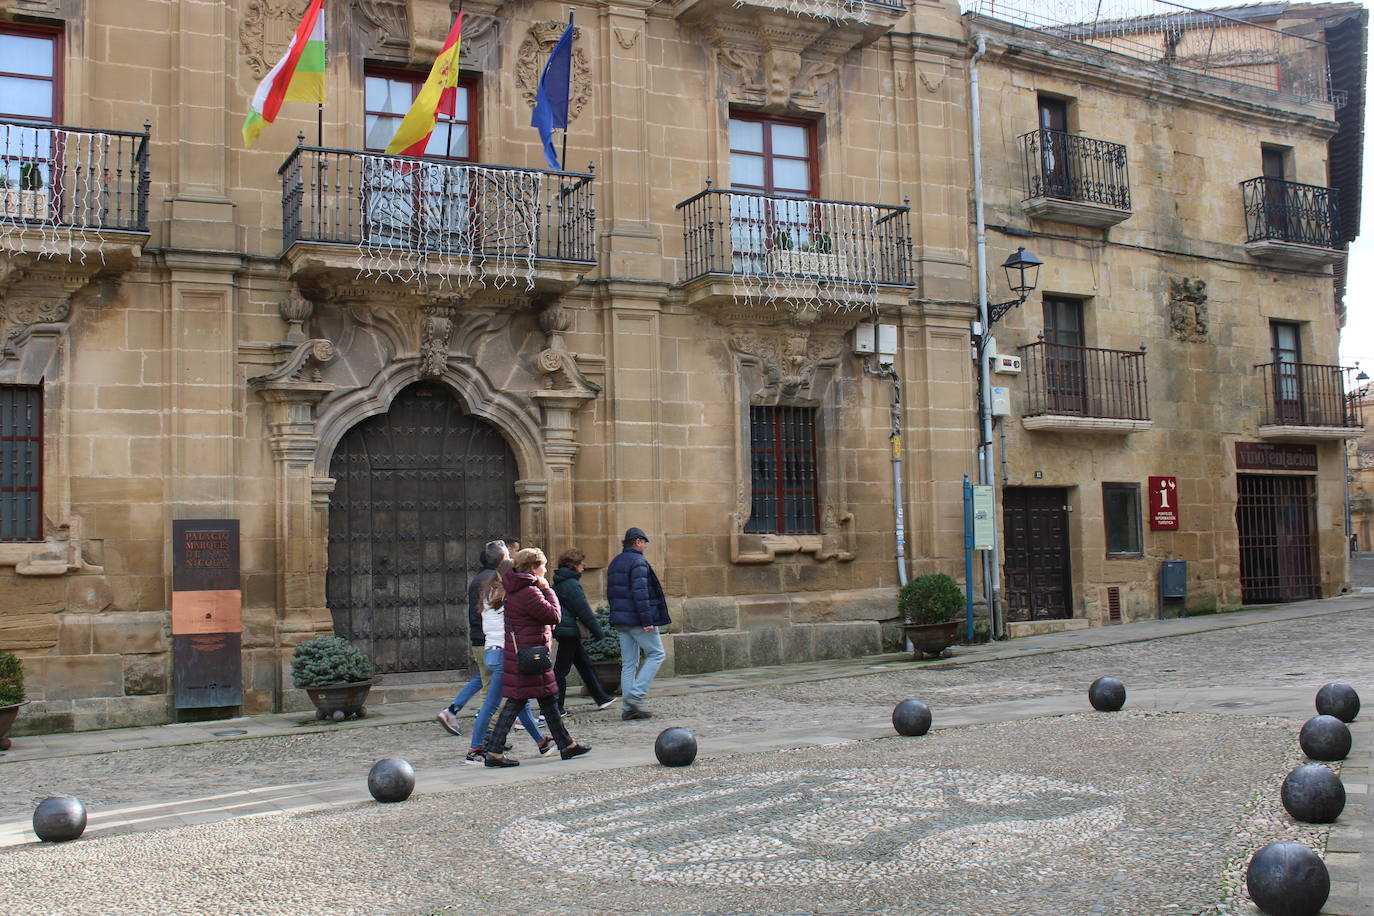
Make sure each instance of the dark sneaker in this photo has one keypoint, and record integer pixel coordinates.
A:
(495, 760)
(476, 757)
(545, 746)
(610, 701)
(450, 722)
(574, 750)
(640, 713)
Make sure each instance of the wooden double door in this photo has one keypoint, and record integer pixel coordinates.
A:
(419, 490)
(1037, 579)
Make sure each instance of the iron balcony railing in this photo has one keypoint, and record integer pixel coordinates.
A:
(1085, 382)
(1067, 167)
(73, 177)
(1287, 211)
(1308, 394)
(741, 233)
(370, 199)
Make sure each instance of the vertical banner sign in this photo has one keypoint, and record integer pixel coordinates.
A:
(982, 517)
(1163, 503)
(207, 613)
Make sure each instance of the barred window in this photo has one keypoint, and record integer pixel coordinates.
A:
(782, 444)
(21, 462)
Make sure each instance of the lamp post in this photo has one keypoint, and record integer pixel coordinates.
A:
(1023, 274)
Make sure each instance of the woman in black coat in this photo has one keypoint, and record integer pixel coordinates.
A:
(568, 587)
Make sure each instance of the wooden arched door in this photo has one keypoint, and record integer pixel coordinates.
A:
(419, 490)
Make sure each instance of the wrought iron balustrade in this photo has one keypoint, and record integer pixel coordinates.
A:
(1286, 211)
(395, 203)
(1084, 382)
(740, 233)
(1308, 394)
(73, 177)
(1068, 167)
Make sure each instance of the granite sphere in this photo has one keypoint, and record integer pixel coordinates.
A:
(1325, 738)
(1287, 879)
(1107, 694)
(1339, 700)
(675, 747)
(1313, 793)
(59, 819)
(391, 780)
(911, 718)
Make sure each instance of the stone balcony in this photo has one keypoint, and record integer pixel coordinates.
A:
(1085, 389)
(1307, 402)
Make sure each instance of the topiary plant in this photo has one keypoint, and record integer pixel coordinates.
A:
(933, 598)
(11, 679)
(329, 660)
(607, 648)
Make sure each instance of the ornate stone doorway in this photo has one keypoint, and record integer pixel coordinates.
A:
(419, 490)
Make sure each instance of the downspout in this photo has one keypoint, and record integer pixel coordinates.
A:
(897, 472)
(991, 573)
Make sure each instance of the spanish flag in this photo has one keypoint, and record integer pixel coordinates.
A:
(437, 97)
(297, 77)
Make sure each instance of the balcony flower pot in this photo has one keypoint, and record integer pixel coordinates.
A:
(335, 675)
(930, 606)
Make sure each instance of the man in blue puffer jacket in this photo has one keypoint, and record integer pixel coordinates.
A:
(638, 609)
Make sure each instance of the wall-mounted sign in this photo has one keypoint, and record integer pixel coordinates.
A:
(1276, 456)
(1163, 503)
(207, 613)
(983, 509)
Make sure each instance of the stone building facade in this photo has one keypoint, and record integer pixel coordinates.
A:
(373, 366)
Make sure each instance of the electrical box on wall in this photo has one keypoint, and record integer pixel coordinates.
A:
(1007, 365)
(1001, 402)
(887, 340)
(865, 337)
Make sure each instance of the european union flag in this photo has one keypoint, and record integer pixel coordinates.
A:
(551, 101)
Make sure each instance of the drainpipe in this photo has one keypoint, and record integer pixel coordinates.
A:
(991, 572)
(887, 370)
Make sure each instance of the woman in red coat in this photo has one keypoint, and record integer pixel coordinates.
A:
(531, 611)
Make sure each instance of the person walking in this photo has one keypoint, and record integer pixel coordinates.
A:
(492, 554)
(567, 585)
(531, 610)
(494, 633)
(638, 609)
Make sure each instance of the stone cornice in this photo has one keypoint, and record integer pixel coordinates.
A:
(1024, 49)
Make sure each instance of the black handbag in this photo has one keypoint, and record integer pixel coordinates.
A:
(531, 659)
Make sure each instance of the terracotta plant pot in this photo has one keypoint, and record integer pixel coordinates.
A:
(608, 673)
(340, 701)
(7, 717)
(932, 638)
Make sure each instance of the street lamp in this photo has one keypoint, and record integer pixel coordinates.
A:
(1023, 272)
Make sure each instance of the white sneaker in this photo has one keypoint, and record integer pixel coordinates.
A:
(450, 722)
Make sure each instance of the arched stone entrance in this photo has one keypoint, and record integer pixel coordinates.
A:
(419, 489)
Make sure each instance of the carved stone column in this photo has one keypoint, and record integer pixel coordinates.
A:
(292, 392)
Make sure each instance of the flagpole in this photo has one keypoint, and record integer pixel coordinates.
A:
(448, 131)
(563, 160)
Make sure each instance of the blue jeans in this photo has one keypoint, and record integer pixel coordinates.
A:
(635, 687)
(495, 660)
(469, 690)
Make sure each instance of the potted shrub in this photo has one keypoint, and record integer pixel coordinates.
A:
(605, 652)
(11, 694)
(931, 606)
(335, 674)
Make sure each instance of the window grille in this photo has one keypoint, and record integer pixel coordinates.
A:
(782, 445)
(21, 463)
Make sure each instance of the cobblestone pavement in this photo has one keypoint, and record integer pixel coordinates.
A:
(1146, 811)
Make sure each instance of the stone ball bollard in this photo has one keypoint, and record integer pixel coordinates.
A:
(1313, 793)
(1107, 694)
(1287, 879)
(59, 819)
(1339, 700)
(391, 780)
(675, 747)
(1325, 738)
(911, 718)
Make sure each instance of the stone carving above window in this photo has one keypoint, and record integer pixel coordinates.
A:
(1188, 313)
(266, 31)
(387, 24)
(534, 52)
